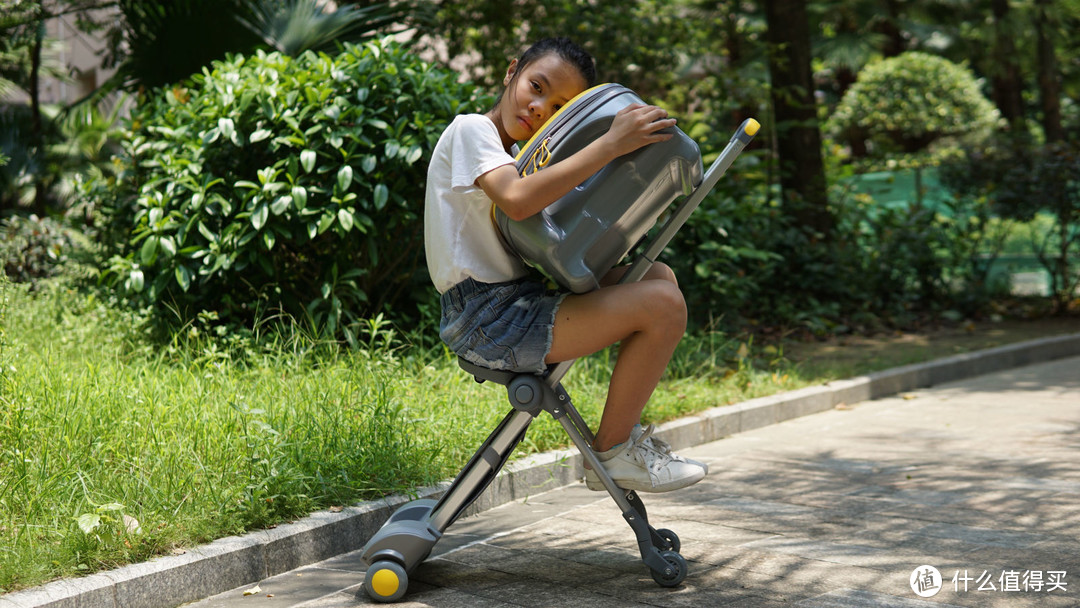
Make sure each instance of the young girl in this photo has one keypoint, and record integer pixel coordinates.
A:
(496, 315)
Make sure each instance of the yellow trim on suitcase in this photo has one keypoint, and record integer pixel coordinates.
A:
(539, 131)
(538, 163)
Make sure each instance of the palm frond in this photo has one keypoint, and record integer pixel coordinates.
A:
(849, 50)
(294, 26)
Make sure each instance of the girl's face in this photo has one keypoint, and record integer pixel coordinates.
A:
(533, 95)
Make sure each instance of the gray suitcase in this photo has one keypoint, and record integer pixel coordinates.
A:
(577, 239)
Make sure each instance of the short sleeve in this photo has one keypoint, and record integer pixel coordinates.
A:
(475, 150)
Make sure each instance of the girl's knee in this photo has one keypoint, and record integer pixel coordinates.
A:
(661, 271)
(666, 304)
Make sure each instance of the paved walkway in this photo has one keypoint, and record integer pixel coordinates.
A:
(979, 478)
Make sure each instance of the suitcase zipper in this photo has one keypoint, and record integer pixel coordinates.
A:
(543, 147)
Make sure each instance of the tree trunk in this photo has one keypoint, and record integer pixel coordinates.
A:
(37, 131)
(802, 172)
(894, 37)
(1049, 84)
(1006, 83)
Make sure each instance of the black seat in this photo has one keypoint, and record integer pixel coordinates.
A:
(483, 374)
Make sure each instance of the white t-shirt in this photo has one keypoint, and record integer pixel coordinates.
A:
(460, 240)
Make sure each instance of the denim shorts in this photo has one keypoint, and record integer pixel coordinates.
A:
(500, 326)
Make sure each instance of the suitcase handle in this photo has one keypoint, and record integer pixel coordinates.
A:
(743, 135)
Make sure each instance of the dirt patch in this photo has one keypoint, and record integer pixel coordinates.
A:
(852, 355)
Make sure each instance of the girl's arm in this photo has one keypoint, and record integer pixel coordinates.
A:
(520, 197)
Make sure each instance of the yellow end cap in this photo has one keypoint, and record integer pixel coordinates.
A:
(752, 127)
(385, 583)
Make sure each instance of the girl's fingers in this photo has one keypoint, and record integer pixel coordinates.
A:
(654, 118)
(642, 114)
(637, 125)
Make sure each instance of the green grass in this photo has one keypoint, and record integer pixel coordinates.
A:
(115, 448)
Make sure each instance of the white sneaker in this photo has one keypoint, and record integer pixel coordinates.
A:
(662, 446)
(638, 465)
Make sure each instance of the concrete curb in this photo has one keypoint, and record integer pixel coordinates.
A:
(232, 562)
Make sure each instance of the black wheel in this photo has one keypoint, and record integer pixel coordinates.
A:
(671, 540)
(386, 581)
(674, 573)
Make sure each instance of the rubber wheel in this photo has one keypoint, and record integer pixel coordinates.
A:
(386, 581)
(675, 573)
(671, 539)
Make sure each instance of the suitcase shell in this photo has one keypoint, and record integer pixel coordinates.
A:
(580, 237)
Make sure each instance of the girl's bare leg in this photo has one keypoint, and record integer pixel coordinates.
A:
(648, 318)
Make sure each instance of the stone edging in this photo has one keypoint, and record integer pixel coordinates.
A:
(232, 562)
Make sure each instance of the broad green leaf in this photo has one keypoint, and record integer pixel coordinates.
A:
(183, 277)
(266, 175)
(307, 160)
(226, 127)
(168, 247)
(88, 522)
(344, 178)
(259, 215)
(281, 204)
(346, 218)
(149, 250)
(364, 221)
(381, 194)
(136, 281)
(326, 221)
(268, 239)
(312, 229)
(368, 163)
(299, 196)
(207, 233)
(246, 238)
(259, 135)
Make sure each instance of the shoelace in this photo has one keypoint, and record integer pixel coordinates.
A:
(654, 458)
(660, 445)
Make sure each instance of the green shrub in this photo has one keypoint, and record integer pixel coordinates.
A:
(271, 183)
(1023, 182)
(908, 102)
(742, 263)
(33, 248)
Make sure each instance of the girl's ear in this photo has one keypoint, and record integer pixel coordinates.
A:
(510, 71)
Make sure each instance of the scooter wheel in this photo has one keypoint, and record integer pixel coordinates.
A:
(675, 572)
(670, 538)
(386, 581)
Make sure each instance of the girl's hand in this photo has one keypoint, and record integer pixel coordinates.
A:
(520, 197)
(636, 126)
